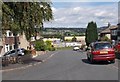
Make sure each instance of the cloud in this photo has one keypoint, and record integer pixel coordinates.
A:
(79, 15)
(101, 13)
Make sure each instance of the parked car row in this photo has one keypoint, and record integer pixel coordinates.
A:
(15, 56)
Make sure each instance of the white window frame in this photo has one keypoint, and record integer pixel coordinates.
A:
(7, 47)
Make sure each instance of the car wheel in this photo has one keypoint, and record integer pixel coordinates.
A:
(13, 60)
(91, 59)
(19, 60)
(88, 58)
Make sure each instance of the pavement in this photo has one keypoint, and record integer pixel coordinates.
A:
(38, 58)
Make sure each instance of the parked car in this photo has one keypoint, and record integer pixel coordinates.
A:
(9, 57)
(117, 47)
(101, 51)
(75, 48)
(20, 52)
(12, 57)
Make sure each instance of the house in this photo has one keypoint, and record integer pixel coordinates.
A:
(23, 43)
(80, 39)
(110, 32)
(7, 42)
(1, 46)
(118, 32)
(114, 30)
(106, 32)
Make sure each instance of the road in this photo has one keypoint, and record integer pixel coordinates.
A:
(65, 65)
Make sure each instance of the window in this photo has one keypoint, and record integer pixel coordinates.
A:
(6, 47)
(114, 32)
(14, 46)
(10, 47)
(98, 46)
(10, 33)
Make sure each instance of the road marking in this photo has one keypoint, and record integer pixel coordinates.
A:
(24, 67)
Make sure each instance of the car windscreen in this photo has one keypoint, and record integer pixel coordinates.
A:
(98, 46)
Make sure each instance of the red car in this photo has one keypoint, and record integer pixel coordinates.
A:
(101, 51)
(117, 47)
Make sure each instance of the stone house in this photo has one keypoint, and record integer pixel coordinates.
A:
(118, 32)
(110, 32)
(114, 31)
(7, 42)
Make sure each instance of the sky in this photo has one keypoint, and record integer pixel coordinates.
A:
(79, 14)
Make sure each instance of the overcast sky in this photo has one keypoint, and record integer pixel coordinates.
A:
(78, 14)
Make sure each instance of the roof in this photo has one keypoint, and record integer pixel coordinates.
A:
(107, 30)
(113, 27)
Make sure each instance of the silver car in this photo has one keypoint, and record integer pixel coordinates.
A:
(20, 52)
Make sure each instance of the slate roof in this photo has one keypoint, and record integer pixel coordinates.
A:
(107, 30)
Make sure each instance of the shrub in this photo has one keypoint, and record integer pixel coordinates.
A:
(49, 46)
(40, 45)
(51, 49)
(27, 52)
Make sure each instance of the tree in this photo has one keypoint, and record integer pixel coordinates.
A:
(22, 17)
(91, 33)
(0, 19)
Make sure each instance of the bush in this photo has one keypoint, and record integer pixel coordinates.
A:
(51, 49)
(27, 52)
(40, 45)
(49, 46)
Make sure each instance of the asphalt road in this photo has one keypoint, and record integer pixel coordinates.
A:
(65, 65)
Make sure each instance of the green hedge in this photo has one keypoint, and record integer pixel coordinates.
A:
(42, 46)
(27, 52)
